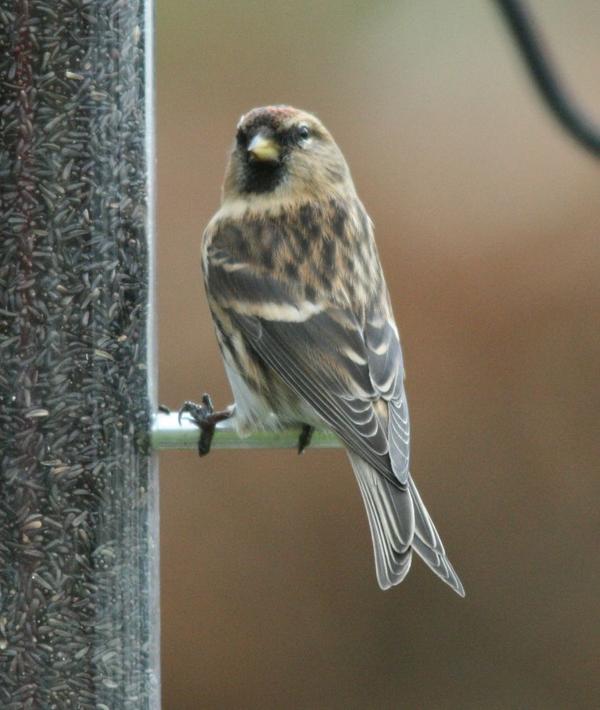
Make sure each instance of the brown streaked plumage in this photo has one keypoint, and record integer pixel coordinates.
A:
(304, 320)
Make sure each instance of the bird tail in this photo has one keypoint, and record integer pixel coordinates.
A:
(399, 524)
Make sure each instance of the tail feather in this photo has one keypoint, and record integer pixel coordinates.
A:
(390, 515)
(428, 545)
(439, 564)
(399, 523)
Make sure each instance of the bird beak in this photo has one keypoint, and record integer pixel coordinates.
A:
(263, 148)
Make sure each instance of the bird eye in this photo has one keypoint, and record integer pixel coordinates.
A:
(303, 132)
(242, 137)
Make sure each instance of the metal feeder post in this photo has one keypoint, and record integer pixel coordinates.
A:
(78, 483)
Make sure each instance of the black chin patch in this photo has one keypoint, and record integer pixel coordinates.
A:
(260, 177)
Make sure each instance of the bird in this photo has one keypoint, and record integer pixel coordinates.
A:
(304, 322)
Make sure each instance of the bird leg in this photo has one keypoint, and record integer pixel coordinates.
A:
(206, 419)
(305, 436)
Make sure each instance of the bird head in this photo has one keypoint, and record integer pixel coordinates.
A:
(283, 152)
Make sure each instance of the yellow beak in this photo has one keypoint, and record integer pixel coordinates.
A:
(263, 148)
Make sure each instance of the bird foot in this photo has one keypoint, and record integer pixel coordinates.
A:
(305, 437)
(206, 419)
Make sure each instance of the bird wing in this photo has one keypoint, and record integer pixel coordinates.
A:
(343, 369)
(386, 369)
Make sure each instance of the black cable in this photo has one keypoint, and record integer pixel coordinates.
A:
(545, 77)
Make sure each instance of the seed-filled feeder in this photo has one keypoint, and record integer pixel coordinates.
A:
(78, 415)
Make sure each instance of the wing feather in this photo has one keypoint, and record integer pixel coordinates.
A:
(312, 374)
(386, 369)
(324, 354)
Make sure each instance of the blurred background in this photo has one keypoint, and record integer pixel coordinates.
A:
(488, 221)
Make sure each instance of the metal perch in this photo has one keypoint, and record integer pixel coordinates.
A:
(168, 433)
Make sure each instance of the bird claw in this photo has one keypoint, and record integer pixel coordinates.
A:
(305, 436)
(206, 419)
